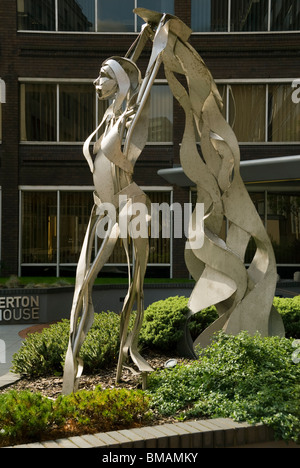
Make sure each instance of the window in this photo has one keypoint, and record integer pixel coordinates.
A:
(161, 115)
(262, 112)
(115, 16)
(76, 112)
(36, 15)
(62, 112)
(283, 226)
(76, 15)
(247, 111)
(245, 15)
(53, 226)
(285, 15)
(249, 16)
(38, 105)
(85, 15)
(209, 15)
(284, 114)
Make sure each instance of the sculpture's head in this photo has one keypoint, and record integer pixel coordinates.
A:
(118, 76)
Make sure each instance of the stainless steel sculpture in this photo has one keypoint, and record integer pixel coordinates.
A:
(243, 297)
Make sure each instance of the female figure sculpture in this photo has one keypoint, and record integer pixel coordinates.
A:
(243, 297)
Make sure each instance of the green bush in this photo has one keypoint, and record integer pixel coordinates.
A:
(163, 323)
(289, 309)
(244, 378)
(43, 354)
(26, 416)
(164, 320)
(108, 410)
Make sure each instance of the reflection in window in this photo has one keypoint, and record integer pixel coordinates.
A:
(284, 115)
(285, 15)
(249, 16)
(36, 15)
(247, 112)
(209, 15)
(76, 112)
(76, 15)
(38, 112)
(115, 16)
(161, 115)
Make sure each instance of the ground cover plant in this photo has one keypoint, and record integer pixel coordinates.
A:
(245, 378)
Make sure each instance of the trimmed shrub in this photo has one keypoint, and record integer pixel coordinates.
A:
(164, 320)
(289, 309)
(43, 354)
(26, 416)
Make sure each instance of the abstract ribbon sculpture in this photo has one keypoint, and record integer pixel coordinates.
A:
(243, 297)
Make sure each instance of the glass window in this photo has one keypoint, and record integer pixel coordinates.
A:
(76, 15)
(249, 16)
(209, 15)
(76, 111)
(284, 226)
(285, 15)
(247, 111)
(161, 115)
(115, 16)
(284, 114)
(36, 15)
(75, 210)
(39, 227)
(159, 248)
(163, 6)
(38, 112)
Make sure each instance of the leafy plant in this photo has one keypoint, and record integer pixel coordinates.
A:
(245, 378)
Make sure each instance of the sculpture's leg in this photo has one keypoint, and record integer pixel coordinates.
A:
(129, 342)
(83, 303)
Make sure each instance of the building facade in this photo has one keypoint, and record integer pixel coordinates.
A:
(50, 54)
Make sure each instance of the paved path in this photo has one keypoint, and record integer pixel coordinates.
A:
(10, 343)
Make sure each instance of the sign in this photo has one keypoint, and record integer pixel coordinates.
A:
(19, 308)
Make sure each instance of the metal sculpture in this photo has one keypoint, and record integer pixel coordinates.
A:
(243, 297)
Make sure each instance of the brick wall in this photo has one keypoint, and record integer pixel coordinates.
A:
(54, 55)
